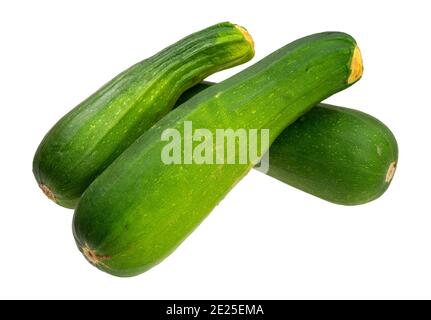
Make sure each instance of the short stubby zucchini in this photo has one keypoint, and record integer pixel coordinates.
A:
(140, 209)
(338, 154)
(87, 139)
(341, 155)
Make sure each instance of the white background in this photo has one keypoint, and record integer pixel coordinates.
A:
(266, 239)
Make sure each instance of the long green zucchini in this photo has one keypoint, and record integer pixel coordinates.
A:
(140, 209)
(87, 139)
(338, 154)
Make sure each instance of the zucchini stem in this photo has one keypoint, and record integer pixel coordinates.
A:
(47, 192)
(391, 171)
(247, 35)
(92, 257)
(356, 66)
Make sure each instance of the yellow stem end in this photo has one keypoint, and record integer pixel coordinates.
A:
(246, 35)
(356, 66)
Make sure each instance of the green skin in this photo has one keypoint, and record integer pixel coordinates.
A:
(337, 154)
(139, 209)
(87, 139)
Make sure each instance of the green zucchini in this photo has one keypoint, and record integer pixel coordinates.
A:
(140, 209)
(87, 139)
(338, 154)
(341, 155)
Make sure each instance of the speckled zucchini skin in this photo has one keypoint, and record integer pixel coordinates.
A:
(337, 154)
(139, 209)
(87, 139)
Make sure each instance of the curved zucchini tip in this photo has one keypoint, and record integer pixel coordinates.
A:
(356, 66)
